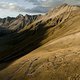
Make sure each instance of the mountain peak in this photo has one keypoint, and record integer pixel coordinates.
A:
(19, 16)
(65, 4)
(27, 15)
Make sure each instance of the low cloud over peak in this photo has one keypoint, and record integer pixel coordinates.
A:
(38, 6)
(47, 4)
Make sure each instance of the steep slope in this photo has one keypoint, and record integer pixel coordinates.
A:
(57, 59)
(47, 63)
(11, 41)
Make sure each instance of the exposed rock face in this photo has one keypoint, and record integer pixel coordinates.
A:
(17, 23)
(50, 43)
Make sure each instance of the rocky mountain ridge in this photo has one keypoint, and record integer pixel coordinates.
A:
(46, 49)
(16, 23)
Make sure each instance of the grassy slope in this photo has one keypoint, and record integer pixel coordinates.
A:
(58, 59)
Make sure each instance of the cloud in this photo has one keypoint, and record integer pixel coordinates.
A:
(18, 8)
(52, 3)
(12, 7)
(38, 9)
(74, 2)
(45, 5)
(41, 6)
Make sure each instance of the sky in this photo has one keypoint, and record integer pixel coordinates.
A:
(15, 7)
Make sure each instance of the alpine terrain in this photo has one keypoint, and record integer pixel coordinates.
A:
(41, 47)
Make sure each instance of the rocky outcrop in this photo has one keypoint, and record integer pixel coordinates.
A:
(17, 23)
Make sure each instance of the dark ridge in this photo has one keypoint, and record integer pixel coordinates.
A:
(23, 43)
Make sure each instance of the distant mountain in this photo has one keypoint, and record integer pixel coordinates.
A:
(16, 23)
(42, 47)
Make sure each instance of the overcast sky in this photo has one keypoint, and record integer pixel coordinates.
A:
(15, 7)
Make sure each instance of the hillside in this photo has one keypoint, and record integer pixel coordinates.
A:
(50, 45)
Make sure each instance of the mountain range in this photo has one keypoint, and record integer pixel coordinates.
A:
(41, 47)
